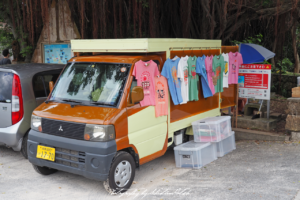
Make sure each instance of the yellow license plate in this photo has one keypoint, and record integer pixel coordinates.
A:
(46, 153)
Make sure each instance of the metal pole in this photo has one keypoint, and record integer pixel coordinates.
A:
(268, 109)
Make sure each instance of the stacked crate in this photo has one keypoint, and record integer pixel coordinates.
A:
(213, 138)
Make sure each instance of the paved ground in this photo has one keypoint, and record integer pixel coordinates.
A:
(255, 170)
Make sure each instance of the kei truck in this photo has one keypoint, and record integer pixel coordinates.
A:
(92, 123)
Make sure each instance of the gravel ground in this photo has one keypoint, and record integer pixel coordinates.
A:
(255, 170)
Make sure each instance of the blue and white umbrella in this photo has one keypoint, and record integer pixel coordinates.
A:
(253, 53)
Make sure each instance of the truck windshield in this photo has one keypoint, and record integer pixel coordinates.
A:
(92, 83)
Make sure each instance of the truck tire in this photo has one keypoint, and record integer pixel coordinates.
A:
(121, 173)
(44, 170)
(24, 146)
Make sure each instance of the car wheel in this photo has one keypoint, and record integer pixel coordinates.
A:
(44, 170)
(121, 173)
(24, 146)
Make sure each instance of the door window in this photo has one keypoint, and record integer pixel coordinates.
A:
(41, 81)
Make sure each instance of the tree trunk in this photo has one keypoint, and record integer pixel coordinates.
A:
(294, 44)
(273, 50)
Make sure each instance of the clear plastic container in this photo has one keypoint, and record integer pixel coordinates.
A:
(194, 155)
(212, 129)
(225, 146)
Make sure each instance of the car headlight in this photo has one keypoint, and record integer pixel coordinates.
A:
(36, 123)
(99, 133)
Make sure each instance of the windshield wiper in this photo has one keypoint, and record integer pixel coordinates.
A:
(74, 103)
(102, 103)
(3, 101)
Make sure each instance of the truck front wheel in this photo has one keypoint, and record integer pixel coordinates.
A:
(121, 173)
(44, 170)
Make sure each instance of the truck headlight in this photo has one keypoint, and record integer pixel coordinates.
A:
(36, 123)
(99, 133)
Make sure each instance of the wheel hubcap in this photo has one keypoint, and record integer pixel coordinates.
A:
(122, 173)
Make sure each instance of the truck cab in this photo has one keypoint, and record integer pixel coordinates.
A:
(92, 123)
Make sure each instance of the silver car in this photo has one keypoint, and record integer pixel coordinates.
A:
(23, 87)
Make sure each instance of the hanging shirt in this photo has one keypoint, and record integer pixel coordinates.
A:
(226, 71)
(235, 61)
(201, 70)
(218, 68)
(170, 72)
(161, 96)
(182, 74)
(144, 72)
(193, 79)
(210, 73)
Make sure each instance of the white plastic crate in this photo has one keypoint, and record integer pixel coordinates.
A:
(212, 129)
(194, 155)
(225, 146)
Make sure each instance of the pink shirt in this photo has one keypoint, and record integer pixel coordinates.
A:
(235, 61)
(144, 72)
(161, 96)
(209, 72)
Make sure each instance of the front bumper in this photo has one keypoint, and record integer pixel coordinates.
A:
(89, 159)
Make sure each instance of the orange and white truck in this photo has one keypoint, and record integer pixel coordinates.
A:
(92, 123)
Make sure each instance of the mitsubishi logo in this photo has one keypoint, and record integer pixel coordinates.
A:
(60, 128)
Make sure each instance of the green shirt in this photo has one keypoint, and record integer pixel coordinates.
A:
(218, 68)
(193, 79)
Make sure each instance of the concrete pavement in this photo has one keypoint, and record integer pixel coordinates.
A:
(255, 170)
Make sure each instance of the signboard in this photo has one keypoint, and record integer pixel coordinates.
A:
(255, 81)
(57, 53)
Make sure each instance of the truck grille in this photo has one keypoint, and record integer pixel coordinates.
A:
(69, 158)
(63, 128)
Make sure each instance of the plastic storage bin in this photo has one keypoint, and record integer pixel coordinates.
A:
(225, 146)
(212, 129)
(194, 155)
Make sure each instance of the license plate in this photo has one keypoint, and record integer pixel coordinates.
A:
(46, 153)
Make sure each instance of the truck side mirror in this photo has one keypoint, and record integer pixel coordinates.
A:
(51, 86)
(137, 95)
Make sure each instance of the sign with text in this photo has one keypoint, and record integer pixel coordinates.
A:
(57, 53)
(255, 81)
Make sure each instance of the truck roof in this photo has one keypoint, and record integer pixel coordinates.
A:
(145, 45)
(30, 68)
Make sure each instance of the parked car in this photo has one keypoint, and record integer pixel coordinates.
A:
(23, 87)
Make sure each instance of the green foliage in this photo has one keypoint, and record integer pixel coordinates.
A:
(257, 39)
(145, 3)
(285, 65)
(28, 49)
(6, 38)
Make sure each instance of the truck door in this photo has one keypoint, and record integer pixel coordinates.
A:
(145, 131)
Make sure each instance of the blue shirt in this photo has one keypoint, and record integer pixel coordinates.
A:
(201, 70)
(170, 72)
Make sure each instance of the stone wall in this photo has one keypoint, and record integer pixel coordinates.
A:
(287, 83)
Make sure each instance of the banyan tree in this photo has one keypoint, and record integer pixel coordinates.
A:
(204, 19)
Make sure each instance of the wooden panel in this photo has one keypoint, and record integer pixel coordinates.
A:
(192, 108)
(227, 49)
(296, 92)
(228, 96)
